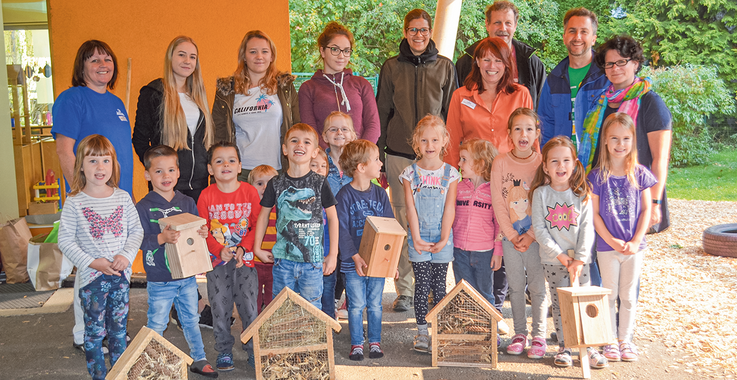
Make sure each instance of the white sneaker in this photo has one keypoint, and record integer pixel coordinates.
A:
(341, 314)
(502, 328)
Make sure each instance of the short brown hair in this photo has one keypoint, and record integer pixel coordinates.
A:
(415, 14)
(302, 127)
(222, 144)
(582, 12)
(625, 46)
(482, 153)
(261, 170)
(354, 153)
(502, 5)
(499, 49)
(158, 151)
(84, 53)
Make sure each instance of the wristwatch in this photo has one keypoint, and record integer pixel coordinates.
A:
(657, 201)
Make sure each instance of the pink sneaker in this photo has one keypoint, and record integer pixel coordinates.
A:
(628, 351)
(519, 342)
(537, 348)
(611, 352)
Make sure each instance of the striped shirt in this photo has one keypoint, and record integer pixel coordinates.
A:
(93, 228)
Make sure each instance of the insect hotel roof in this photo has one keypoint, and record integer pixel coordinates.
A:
(464, 329)
(292, 339)
(150, 356)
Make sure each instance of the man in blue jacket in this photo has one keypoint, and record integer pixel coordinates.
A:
(575, 79)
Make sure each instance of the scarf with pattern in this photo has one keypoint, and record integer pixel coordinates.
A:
(630, 104)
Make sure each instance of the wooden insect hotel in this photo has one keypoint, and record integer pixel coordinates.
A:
(464, 329)
(381, 245)
(292, 339)
(189, 256)
(150, 356)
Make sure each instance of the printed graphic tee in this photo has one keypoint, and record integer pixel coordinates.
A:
(620, 204)
(299, 225)
(258, 118)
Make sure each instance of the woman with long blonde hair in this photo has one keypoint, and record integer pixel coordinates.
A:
(173, 111)
(256, 105)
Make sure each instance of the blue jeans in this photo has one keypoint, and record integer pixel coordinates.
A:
(105, 304)
(594, 268)
(303, 278)
(475, 268)
(183, 294)
(364, 292)
(328, 292)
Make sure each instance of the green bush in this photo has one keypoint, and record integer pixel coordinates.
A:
(692, 93)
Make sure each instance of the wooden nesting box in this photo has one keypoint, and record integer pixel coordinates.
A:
(381, 245)
(464, 329)
(150, 356)
(585, 315)
(189, 256)
(292, 339)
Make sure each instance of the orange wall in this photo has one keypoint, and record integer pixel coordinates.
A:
(142, 29)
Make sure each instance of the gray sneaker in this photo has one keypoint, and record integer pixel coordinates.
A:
(402, 303)
(422, 343)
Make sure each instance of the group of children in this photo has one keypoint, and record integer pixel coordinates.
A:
(298, 228)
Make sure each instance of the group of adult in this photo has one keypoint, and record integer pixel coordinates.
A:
(256, 105)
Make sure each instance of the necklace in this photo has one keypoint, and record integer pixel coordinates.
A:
(522, 158)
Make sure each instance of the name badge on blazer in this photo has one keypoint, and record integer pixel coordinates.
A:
(468, 103)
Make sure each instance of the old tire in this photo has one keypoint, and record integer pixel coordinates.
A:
(721, 240)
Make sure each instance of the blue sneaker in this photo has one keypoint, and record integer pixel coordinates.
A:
(225, 362)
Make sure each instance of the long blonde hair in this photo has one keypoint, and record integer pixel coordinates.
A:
(605, 159)
(242, 80)
(174, 122)
(93, 145)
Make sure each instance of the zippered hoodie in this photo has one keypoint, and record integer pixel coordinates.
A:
(150, 209)
(410, 87)
(147, 133)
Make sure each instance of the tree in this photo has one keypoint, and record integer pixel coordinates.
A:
(699, 32)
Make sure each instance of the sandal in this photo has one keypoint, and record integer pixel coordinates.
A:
(202, 367)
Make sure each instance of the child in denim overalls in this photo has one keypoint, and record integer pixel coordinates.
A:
(430, 194)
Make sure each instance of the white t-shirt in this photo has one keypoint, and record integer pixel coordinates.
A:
(429, 179)
(191, 112)
(258, 118)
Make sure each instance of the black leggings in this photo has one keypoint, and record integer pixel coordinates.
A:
(428, 275)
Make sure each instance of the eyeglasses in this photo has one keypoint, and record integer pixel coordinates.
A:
(334, 50)
(335, 130)
(620, 63)
(413, 31)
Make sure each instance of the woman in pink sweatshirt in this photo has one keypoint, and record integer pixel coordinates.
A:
(335, 88)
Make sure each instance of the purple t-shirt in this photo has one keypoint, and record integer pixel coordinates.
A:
(619, 204)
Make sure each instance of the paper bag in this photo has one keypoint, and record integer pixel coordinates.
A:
(14, 236)
(47, 266)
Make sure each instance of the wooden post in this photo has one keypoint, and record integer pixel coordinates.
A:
(582, 351)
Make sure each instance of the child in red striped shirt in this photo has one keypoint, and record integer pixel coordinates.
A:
(258, 178)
